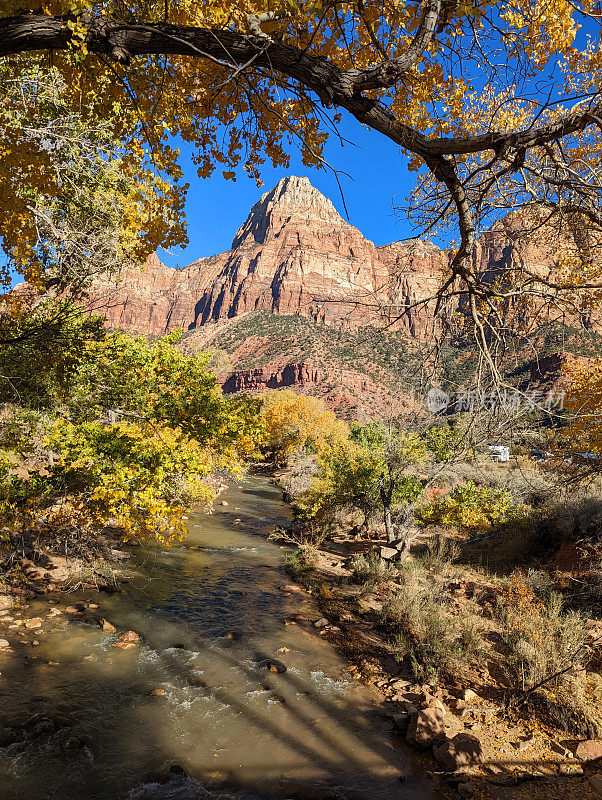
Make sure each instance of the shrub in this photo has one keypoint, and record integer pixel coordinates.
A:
(296, 564)
(443, 442)
(540, 582)
(469, 506)
(433, 640)
(346, 481)
(577, 521)
(372, 568)
(441, 552)
(541, 638)
(572, 706)
(20, 428)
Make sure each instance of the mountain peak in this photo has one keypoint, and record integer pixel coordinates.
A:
(293, 197)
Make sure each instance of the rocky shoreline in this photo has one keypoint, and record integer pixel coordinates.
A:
(470, 741)
(48, 587)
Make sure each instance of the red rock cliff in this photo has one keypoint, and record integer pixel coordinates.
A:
(293, 255)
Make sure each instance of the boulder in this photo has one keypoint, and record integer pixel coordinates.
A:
(589, 750)
(426, 727)
(273, 665)
(464, 750)
(4, 645)
(320, 623)
(570, 769)
(400, 721)
(124, 645)
(388, 553)
(106, 625)
(34, 622)
(561, 750)
(60, 568)
(454, 723)
(399, 685)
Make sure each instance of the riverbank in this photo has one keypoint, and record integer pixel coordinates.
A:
(462, 730)
(223, 596)
(211, 678)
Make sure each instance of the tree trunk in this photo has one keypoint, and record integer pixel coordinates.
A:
(386, 496)
(389, 525)
(406, 541)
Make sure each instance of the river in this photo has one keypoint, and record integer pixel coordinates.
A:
(79, 722)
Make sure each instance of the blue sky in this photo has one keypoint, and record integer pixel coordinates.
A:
(216, 208)
(379, 180)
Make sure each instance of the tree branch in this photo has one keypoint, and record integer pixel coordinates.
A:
(333, 85)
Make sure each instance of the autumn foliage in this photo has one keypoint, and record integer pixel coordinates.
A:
(581, 435)
(294, 422)
(129, 439)
(496, 105)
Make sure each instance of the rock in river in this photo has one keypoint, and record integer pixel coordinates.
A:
(129, 636)
(273, 665)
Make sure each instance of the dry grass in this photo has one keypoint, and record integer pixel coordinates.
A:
(372, 569)
(440, 553)
(426, 633)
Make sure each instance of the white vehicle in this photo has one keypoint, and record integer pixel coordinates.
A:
(499, 452)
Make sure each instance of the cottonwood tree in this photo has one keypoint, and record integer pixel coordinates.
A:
(496, 104)
(72, 206)
(73, 212)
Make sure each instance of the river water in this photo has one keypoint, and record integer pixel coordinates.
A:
(85, 726)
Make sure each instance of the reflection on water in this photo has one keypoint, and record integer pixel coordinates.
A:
(208, 611)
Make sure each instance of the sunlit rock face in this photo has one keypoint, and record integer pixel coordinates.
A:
(294, 254)
(295, 257)
(532, 248)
